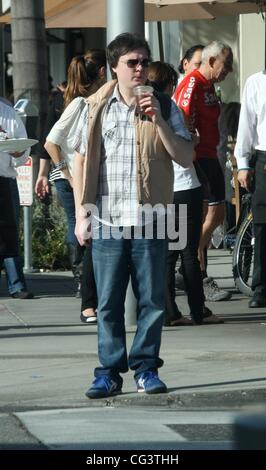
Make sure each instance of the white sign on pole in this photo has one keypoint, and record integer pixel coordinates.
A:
(25, 183)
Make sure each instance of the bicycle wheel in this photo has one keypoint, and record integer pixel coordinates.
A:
(243, 256)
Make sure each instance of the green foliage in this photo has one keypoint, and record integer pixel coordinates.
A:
(49, 250)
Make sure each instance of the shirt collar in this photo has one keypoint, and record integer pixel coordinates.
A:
(115, 96)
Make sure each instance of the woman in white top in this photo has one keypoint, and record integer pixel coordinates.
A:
(86, 74)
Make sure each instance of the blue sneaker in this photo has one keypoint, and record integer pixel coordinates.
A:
(149, 382)
(105, 386)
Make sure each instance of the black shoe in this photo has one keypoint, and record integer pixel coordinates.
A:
(258, 301)
(91, 320)
(22, 294)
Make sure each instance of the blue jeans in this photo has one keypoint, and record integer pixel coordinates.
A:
(114, 261)
(14, 266)
(66, 198)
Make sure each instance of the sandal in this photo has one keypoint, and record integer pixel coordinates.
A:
(209, 318)
(212, 320)
(181, 322)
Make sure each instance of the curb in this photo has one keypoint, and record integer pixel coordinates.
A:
(195, 400)
(212, 400)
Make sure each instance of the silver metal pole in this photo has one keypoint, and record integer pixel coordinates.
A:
(27, 215)
(160, 40)
(125, 16)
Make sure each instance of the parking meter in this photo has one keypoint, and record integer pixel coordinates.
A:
(29, 114)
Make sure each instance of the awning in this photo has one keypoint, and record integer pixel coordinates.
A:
(92, 13)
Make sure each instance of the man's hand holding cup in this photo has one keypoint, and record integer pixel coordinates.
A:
(145, 101)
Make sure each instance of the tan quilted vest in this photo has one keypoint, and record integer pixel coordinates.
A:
(155, 175)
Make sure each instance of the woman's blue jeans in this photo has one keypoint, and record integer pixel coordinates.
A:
(114, 261)
(66, 198)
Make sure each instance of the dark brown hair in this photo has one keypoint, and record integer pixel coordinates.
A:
(124, 43)
(161, 74)
(188, 56)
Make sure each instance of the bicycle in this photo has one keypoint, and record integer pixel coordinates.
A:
(243, 250)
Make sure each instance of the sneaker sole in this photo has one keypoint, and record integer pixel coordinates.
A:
(154, 391)
(101, 395)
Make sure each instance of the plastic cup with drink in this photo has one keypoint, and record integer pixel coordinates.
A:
(140, 92)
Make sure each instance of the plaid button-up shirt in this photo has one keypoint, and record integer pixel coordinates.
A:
(117, 185)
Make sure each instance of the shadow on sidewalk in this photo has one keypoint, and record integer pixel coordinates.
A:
(45, 285)
(256, 317)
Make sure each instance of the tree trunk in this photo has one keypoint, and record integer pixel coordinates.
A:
(30, 72)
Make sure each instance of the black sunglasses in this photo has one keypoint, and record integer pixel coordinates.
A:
(132, 63)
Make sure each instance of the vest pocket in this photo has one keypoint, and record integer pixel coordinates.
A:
(161, 181)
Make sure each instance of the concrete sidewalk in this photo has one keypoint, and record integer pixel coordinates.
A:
(48, 356)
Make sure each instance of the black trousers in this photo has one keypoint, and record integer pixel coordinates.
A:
(8, 228)
(259, 189)
(193, 198)
(88, 286)
(259, 216)
(259, 271)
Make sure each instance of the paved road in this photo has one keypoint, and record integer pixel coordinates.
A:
(129, 429)
(47, 357)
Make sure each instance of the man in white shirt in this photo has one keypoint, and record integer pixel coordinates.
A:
(11, 126)
(252, 137)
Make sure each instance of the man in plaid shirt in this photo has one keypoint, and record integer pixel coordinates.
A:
(128, 163)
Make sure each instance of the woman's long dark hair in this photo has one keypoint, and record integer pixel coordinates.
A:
(188, 56)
